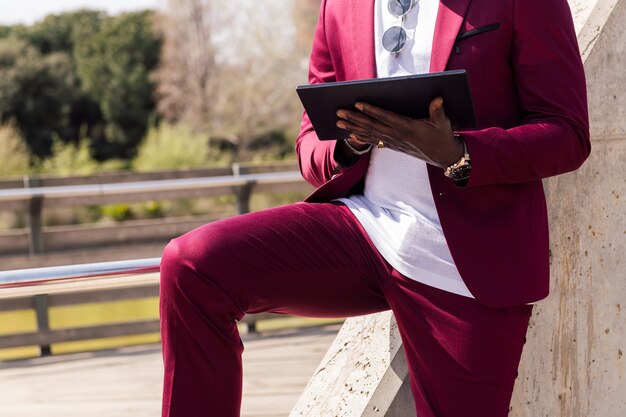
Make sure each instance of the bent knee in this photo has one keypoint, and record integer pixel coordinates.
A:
(186, 258)
(171, 255)
(175, 261)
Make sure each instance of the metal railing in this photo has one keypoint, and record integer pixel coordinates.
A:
(36, 278)
(28, 181)
(22, 195)
(32, 200)
(43, 288)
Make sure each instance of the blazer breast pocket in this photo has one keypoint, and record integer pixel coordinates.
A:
(476, 40)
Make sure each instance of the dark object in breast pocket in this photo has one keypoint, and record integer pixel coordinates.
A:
(476, 31)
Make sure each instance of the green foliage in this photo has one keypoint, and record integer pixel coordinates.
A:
(115, 65)
(5, 31)
(271, 146)
(153, 209)
(73, 159)
(119, 212)
(36, 92)
(13, 31)
(57, 33)
(172, 147)
(79, 69)
(87, 76)
(68, 159)
(14, 156)
(89, 214)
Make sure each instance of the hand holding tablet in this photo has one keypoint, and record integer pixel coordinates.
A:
(409, 96)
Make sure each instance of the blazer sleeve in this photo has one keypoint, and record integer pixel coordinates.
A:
(315, 157)
(554, 135)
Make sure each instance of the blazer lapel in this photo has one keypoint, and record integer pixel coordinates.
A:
(361, 24)
(449, 19)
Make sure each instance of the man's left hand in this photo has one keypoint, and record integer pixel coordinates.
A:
(430, 140)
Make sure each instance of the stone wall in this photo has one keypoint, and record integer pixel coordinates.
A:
(573, 364)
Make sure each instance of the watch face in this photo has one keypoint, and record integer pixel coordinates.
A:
(461, 173)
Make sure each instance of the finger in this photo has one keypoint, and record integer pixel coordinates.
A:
(355, 141)
(361, 140)
(395, 145)
(437, 112)
(374, 140)
(356, 117)
(362, 132)
(385, 116)
(390, 142)
(362, 122)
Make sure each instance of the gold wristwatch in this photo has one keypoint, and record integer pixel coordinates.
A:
(459, 172)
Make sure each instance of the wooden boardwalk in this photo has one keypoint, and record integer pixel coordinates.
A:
(127, 382)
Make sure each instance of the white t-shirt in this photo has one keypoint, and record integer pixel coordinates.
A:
(404, 226)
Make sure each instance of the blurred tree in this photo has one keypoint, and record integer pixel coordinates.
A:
(306, 13)
(61, 33)
(186, 75)
(57, 33)
(81, 69)
(68, 159)
(115, 65)
(14, 156)
(183, 149)
(230, 69)
(5, 31)
(36, 92)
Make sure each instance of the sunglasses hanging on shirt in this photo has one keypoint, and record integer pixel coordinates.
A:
(395, 37)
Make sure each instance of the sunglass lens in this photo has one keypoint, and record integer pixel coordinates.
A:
(399, 7)
(394, 39)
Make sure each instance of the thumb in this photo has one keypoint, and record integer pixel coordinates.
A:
(437, 112)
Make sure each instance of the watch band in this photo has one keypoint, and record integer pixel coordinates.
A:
(355, 151)
(459, 172)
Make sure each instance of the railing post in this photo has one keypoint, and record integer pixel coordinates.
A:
(40, 303)
(35, 224)
(251, 327)
(242, 193)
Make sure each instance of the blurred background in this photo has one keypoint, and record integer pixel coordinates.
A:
(93, 85)
(101, 92)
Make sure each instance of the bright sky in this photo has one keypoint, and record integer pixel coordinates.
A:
(30, 11)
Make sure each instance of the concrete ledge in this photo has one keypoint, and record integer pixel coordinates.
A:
(364, 373)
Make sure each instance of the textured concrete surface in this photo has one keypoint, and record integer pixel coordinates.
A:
(573, 364)
(361, 374)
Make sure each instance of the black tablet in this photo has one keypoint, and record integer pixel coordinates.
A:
(408, 95)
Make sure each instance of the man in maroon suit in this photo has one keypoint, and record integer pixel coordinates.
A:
(448, 229)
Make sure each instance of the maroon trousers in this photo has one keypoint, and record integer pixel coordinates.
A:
(316, 260)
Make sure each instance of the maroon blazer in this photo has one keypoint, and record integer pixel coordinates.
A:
(529, 93)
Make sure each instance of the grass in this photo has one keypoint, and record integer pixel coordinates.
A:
(24, 321)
